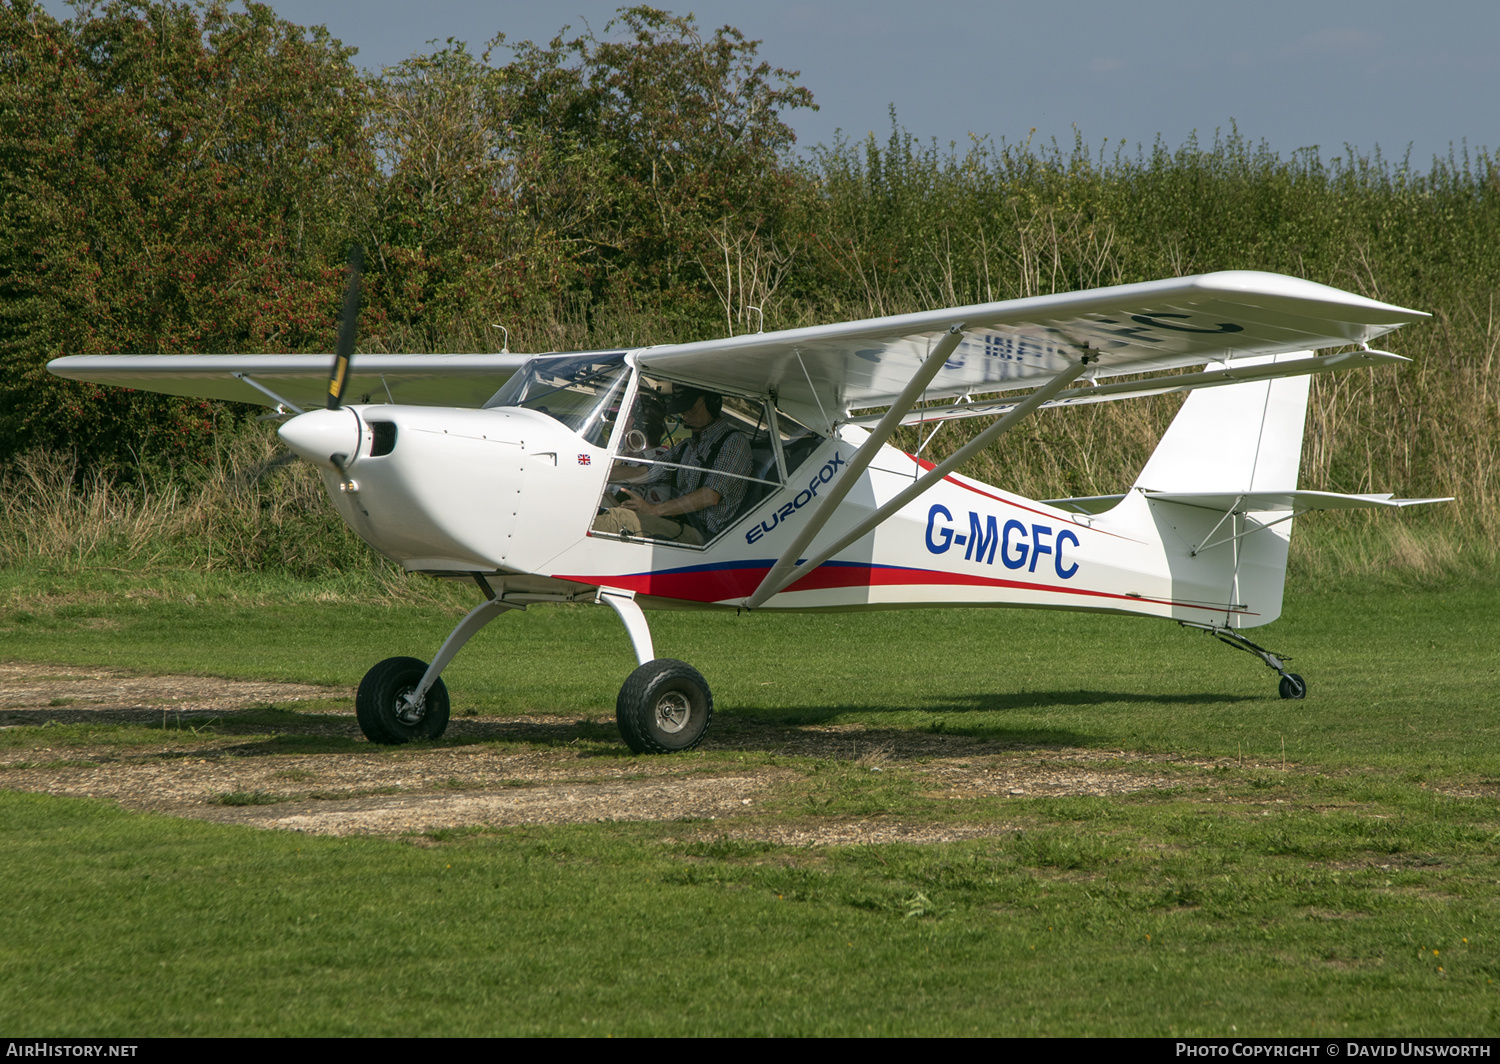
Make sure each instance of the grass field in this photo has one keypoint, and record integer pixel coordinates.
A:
(1315, 868)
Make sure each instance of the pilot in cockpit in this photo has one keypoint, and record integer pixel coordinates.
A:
(689, 494)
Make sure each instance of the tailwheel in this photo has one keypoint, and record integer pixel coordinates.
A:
(665, 706)
(389, 715)
(1293, 686)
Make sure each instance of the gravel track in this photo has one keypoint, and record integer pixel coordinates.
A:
(215, 757)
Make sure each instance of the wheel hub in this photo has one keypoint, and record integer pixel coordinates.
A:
(673, 711)
(408, 711)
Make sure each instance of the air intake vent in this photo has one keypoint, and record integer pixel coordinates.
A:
(385, 438)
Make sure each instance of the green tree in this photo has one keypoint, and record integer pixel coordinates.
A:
(477, 212)
(172, 178)
(592, 172)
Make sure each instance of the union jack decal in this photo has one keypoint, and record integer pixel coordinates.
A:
(584, 459)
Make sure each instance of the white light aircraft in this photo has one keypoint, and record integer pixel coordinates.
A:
(506, 470)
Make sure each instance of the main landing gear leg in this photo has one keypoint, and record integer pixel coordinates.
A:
(402, 699)
(665, 705)
(1291, 686)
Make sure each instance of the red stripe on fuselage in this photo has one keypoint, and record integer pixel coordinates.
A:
(727, 585)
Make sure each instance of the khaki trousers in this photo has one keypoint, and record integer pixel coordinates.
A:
(623, 522)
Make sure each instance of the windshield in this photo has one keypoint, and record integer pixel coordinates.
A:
(581, 391)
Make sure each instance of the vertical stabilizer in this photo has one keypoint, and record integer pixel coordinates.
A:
(1237, 438)
(1241, 437)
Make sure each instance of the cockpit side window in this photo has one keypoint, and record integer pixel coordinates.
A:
(671, 449)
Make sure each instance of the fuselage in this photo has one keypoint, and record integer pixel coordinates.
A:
(511, 493)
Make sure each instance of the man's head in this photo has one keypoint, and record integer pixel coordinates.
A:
(697, 407)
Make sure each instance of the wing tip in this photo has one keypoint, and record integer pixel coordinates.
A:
(1263, 282)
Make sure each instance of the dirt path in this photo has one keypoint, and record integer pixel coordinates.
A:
(239, 752)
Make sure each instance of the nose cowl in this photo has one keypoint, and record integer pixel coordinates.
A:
(327, 438)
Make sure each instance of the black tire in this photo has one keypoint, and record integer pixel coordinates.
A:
(665, 706)
(1293, 686)
(380, 716)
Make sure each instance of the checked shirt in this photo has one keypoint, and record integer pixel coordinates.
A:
(733, 457)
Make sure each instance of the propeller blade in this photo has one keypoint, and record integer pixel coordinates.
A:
(252, 477)
(348, 328)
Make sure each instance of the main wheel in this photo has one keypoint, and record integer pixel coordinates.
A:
(385, 718)
(1293, 686)
(664, 706)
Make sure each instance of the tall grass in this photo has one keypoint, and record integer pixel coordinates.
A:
(247, 510)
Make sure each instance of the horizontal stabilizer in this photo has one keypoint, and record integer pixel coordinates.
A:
(1086, 504)
(1272, 501)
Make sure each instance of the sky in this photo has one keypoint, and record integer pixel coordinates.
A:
(1403, 76)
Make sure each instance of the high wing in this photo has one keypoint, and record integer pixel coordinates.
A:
(827, 371)
(301, 381)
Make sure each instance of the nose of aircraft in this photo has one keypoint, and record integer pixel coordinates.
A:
(320, 435)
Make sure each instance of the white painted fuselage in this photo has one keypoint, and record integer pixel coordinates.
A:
(511, 494)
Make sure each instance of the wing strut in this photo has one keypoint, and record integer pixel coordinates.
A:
(266, 391)
(786, 570)
(783, 572)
